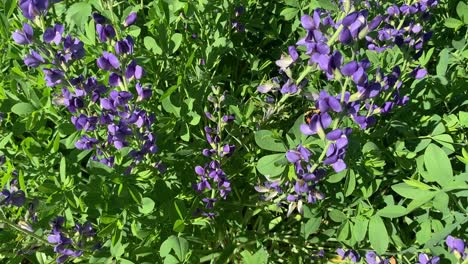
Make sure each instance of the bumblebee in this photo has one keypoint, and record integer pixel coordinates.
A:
(308, 115)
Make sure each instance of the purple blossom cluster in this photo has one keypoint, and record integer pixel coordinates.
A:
(97, 106)
(457, 246)
(65, 246)
(213, 181)
(13, 195)
(366, 90)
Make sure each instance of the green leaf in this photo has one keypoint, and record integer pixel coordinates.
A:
(310, 227)
(392, 211)
(151, 44)
(261, 257)
(441, 202)
(265, 140)
(378, 236)
(147, 205)
(78, 14)
(22, 109)
(443, 62)
(360, 228)
(178, 244)
(463, 117)
(179, 226)
(289, 13)
(337, 216)
(63, 171)
(453, 23)
(272, 165)
(176, 40)
(328, 5)
(462, 11)
(438, 165)
(350, 184)
(408, 191)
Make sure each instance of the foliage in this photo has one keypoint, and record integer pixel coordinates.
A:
(173, 131)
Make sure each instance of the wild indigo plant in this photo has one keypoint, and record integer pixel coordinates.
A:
(366, 90)
(108, 115)
(213, 183)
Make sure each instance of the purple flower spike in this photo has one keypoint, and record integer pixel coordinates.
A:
(24, 36)
(108, 61)
(34, 59)
(53, 34)
(130, 20)
(33, 8)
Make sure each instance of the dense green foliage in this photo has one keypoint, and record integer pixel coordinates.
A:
(403, 191)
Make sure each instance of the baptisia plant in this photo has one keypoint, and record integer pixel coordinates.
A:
(213, 182)
(344, 51)
(107, 107)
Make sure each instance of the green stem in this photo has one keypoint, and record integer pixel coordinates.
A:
(26, 232)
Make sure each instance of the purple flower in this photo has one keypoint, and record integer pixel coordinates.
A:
(24, 36)
(99, 19)
(293, 53)
(86, 230)
(53, 34)
(74, 46)
(318, 122)
(373, 258)
(53, 77)
(455, 244)
(327, 102)
(124, 46)
(134, 71)
(34, 59)
(419, 73)
(238, 11)
(82, 122)
(424, 259)
(310, 23)
(13, 197)
(289, 87)
(33, 8)
(348, 254)
(143, 93)
(105, 32)
(130, 19)
(86, 143)
(301, 153)
(115, 79)
(108, 61)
